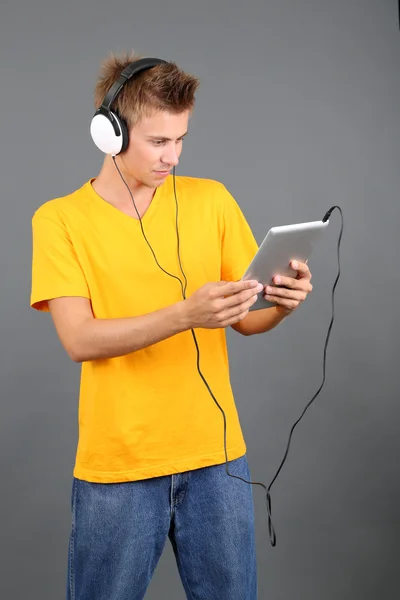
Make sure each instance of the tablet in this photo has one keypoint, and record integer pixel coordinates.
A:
(280, 246)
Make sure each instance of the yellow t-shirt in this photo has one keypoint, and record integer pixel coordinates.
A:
(147, 413)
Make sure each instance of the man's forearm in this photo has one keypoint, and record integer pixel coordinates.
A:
(109, 338)
(260, 321)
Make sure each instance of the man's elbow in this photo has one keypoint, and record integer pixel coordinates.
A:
(241, 328)
(73, 353)
(74, 346)
(80, 352)
(76, 358)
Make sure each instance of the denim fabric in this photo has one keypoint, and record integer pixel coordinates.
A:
(119, 531)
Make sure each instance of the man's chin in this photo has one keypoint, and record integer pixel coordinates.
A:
(152, 181)
(159, 178)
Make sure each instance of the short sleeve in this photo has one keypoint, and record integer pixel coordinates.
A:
(56, 270)
(238, 243)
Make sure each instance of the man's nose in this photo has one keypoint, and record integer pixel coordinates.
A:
(171, 157)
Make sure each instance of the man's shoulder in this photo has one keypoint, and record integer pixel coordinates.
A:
(200, 183)
(55, 207)
(208, 192)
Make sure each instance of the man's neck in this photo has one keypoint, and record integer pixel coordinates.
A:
(109, 185)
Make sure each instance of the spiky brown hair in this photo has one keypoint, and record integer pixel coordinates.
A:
(164, 87)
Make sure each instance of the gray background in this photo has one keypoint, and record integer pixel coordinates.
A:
(298, 110)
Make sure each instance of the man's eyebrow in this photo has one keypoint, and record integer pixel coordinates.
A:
(164, 139)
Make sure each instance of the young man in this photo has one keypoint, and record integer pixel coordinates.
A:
(150, 461)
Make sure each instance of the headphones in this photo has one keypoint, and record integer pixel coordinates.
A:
(107, 129)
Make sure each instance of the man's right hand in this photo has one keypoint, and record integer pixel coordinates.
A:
(220, 304)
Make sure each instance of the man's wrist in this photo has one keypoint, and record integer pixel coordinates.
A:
(282, 311)
(181, 316)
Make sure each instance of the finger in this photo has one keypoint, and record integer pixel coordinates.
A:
(285, 293)
(233, 287)
(295, 284)
(235, 310)
(288, 282)
(235, 319)
(285, 302)
(301, 268)
(236, 300)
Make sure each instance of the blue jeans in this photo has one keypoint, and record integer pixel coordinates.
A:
(119, 531)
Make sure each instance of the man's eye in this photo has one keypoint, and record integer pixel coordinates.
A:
(162, 142)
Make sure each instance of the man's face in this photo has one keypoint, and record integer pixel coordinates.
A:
(155, 144)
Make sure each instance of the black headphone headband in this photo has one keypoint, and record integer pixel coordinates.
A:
(132, 69)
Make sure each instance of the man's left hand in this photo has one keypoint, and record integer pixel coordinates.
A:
(289, 292)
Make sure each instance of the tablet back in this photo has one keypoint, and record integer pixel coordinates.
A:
(280, 246)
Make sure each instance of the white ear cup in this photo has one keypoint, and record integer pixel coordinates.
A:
(103, 134)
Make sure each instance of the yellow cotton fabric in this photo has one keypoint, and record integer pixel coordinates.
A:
(148, 413)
